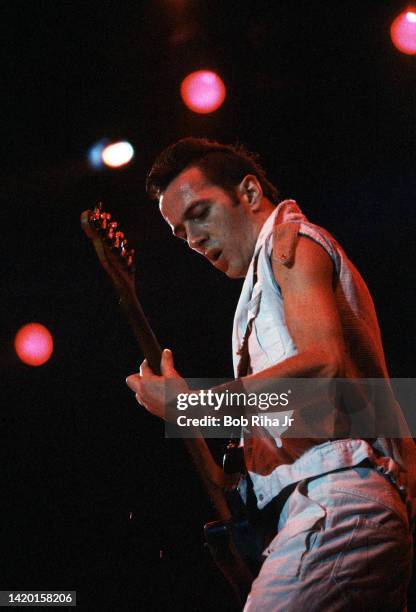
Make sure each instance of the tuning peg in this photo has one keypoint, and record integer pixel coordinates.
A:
(118, 238)
(104, 220)
(111, 228)
(130, 258)
(123, 247)
(96, 213)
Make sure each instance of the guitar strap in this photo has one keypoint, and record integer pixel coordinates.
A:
(244, 366)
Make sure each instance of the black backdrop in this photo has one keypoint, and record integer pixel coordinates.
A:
(92, 491)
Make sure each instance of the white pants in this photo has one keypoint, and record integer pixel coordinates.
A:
(343, 544)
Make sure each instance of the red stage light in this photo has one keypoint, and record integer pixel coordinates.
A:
(403, 32)
(203, 91)
(33, 344)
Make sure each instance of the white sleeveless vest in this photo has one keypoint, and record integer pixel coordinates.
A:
(270, 343)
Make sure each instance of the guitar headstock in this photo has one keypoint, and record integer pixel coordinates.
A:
(110, 245)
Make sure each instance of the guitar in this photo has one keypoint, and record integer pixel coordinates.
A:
(117, 259)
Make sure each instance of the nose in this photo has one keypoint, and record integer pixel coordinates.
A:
(196, 239)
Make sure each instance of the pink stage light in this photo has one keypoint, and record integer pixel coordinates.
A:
(203, 91)
(403, 32)
(33, 344)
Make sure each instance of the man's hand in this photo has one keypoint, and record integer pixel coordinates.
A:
(156, 392)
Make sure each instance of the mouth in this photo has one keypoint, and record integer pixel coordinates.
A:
(213, 255)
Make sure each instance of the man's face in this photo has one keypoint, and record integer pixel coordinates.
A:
(212, 222)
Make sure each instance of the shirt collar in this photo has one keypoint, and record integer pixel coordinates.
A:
(287, 210)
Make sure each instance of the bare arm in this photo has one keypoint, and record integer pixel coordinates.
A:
(311, 316)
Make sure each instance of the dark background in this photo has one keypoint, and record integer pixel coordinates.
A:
(319, 90)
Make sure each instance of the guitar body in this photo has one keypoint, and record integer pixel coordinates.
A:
(234, 547)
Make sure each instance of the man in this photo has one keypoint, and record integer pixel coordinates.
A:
(343, 538)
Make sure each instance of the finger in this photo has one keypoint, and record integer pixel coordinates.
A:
(145, 369)
(134, 382)
(140, 399)
(167, 365)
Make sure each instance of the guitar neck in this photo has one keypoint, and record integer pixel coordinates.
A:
(142, 331)
(213, 477)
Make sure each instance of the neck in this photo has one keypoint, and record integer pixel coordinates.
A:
(254, 224)
(262, 214)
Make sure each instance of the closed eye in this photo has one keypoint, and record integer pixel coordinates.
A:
(197, 212)
(200, 215)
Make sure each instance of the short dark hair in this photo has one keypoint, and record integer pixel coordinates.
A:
(224, 165)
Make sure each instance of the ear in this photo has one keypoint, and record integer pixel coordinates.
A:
(250, 190)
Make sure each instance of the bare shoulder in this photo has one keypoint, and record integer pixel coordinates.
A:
(312, 266)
